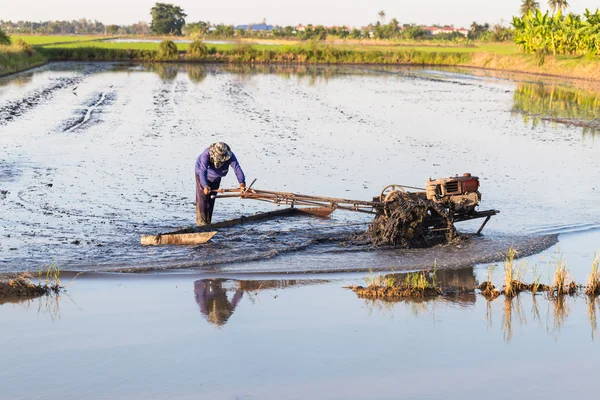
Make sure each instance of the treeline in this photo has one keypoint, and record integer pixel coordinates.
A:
(169, 19)
(558, 34)
(75, 27)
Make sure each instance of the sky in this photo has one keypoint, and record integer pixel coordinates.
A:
(280, 12)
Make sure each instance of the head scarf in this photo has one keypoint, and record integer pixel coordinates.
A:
(219, 153)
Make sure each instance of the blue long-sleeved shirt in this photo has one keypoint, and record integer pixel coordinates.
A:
(207, 172)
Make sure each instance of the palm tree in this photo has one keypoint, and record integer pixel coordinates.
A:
(529, 5)
(381, 16)
(559, 5)
(395, 25)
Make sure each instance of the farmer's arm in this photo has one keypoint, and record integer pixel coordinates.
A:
(202, 168)
(237, 169)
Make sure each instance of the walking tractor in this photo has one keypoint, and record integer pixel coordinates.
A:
(404, 216)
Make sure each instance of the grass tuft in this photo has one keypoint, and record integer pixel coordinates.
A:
(592, 287)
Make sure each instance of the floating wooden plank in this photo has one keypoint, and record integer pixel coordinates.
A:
(182, 239)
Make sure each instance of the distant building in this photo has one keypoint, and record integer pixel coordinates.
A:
(463, 31)
(435, 30)
(301, 28)
(255, 27)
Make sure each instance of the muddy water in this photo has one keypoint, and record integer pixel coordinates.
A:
(94, 155)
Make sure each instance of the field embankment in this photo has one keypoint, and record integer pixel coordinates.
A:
(14, 58)
(503, 57)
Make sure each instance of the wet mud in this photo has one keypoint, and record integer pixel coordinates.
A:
(96, 155)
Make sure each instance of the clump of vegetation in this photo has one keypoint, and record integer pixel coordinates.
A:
(487, 288)
(562, 284)
(23, 286)
(389, 287)
(4, 38)
(167, 50)
(197, 49)
(24, 46)
(513, 275)
(592, 287)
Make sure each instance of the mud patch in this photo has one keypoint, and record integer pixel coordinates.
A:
(93, 106)
(16, 108)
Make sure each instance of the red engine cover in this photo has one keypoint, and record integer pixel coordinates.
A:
(471, 185)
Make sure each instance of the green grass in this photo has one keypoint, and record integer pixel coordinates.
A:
(13, 59)
(284, 47)
(42, 40)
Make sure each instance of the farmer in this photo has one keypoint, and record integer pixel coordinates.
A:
(211, 166)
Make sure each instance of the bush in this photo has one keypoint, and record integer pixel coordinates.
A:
(167, 50)
(24, 46)
(4, 38)
(197, 49)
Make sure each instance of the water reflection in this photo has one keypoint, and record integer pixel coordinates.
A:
(17, 80)
(540, 103)
(44, 305)
(213, 301)
(198, 72)
(166, 72)
(216, 302)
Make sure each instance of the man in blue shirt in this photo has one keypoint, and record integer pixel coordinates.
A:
(211, 166)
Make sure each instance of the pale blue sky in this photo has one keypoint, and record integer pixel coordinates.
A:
(280, 12)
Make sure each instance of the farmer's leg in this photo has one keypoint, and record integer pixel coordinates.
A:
(201, 217)
(211, 202)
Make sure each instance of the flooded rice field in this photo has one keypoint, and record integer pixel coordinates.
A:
(95, 155)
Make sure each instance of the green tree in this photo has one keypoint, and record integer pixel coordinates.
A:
(395, 27)
(355, 33)
(381, 16)
(560, 5)
(477, 30)
(529, 5)
(4, 38)
(167, 19)
(112, 29)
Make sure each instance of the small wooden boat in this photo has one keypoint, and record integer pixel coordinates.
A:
(202, 234)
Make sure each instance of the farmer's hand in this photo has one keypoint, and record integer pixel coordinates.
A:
(206, 190)
(242, 187)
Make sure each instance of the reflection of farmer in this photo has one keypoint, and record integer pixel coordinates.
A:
(211, 166)
(213, 301)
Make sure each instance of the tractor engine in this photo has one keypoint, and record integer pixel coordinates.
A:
(459, 194)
